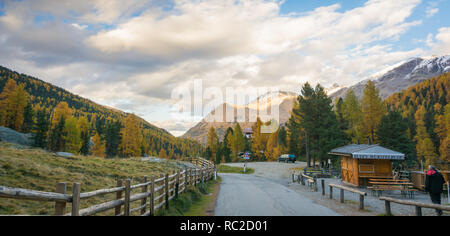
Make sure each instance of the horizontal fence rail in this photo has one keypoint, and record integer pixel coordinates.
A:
(344, 188)
(155, 193)
(418, 205)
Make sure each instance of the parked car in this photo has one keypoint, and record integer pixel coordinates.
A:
(287, 158)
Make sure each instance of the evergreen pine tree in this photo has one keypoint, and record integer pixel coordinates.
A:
(41, 129)
(28, 121)
(392, 134)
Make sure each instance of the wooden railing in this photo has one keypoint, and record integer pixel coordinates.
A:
(155, 193)
(344, 188)
(418, 205)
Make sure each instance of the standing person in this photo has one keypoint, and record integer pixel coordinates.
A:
(434, 184)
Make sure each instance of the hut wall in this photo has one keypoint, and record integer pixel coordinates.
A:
(372, 169)
(350, 172)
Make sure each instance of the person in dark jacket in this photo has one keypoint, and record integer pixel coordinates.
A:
(434, 184)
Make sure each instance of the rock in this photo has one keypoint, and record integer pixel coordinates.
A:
(11, 136)
(64, 154)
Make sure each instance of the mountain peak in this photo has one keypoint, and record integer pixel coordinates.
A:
(401, 76)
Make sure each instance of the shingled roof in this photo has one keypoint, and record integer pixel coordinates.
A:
(364, 151)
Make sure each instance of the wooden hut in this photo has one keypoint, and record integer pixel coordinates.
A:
(360, 162)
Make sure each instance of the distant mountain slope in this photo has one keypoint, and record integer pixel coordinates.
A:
(261, 106)
(46, 95)
(402, 77)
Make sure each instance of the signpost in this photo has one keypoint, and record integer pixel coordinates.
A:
(246, 157)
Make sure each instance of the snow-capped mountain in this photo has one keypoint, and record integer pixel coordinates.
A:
(402, 76)
(261, 107)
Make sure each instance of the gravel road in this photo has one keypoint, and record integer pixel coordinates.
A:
(265, 193)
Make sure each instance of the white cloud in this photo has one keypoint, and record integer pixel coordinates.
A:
(431, 12)
(145, 52)
(442, 44)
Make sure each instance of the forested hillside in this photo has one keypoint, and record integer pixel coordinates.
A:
(426, 108)
(32, 105)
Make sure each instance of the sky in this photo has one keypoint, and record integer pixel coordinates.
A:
(132, 54)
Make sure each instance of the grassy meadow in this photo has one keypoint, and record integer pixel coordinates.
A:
(40, 170)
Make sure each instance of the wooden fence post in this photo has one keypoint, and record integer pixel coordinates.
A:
(177, 185)
(418, 211)
(144, 200)
(202, 176)
(323, 187)
(195, 177)
(342, 196)
(315, 184)
(152, 197)
(118, 197)
(167, 191)
(76, 191)
(186, 177)
(388, 208)
(331, 192)
(127, 197)
(60, 207)
(361, 202)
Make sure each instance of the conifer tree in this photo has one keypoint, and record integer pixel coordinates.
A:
(212, 143)
(238, 141)
(72, 136)
(373, 109)
(56, 140)
(83, 125)
(28, 121)
(162, 154)
(131, 137)
(295, 132)
(98, 149)
(112, 138)
(425, 147)
(61, 110)
(227, 145)
(41, 129)
(272, 150)
(8, 89)
(352, 114)
(392, 134)
(259, 142)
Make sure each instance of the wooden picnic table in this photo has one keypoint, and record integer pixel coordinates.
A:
(406, 188)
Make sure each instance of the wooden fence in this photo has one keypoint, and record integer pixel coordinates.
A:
(155, 193)
(418, 205)
(344, 188)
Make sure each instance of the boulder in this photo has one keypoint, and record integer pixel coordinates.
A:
(64, 154)
(11, 136)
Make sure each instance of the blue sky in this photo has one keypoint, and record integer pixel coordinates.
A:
(132, 54)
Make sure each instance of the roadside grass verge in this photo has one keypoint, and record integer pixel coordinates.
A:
(233, 169)
(37, 169)
(195, 201)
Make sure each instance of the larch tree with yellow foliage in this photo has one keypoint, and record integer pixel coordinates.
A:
(61, 110)
(212, 143)
(425, 147)
(73, 136)
(373, 109)
(443, 132)
(131, 137)
(99, 148)
(13, 101)
(272, 149)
